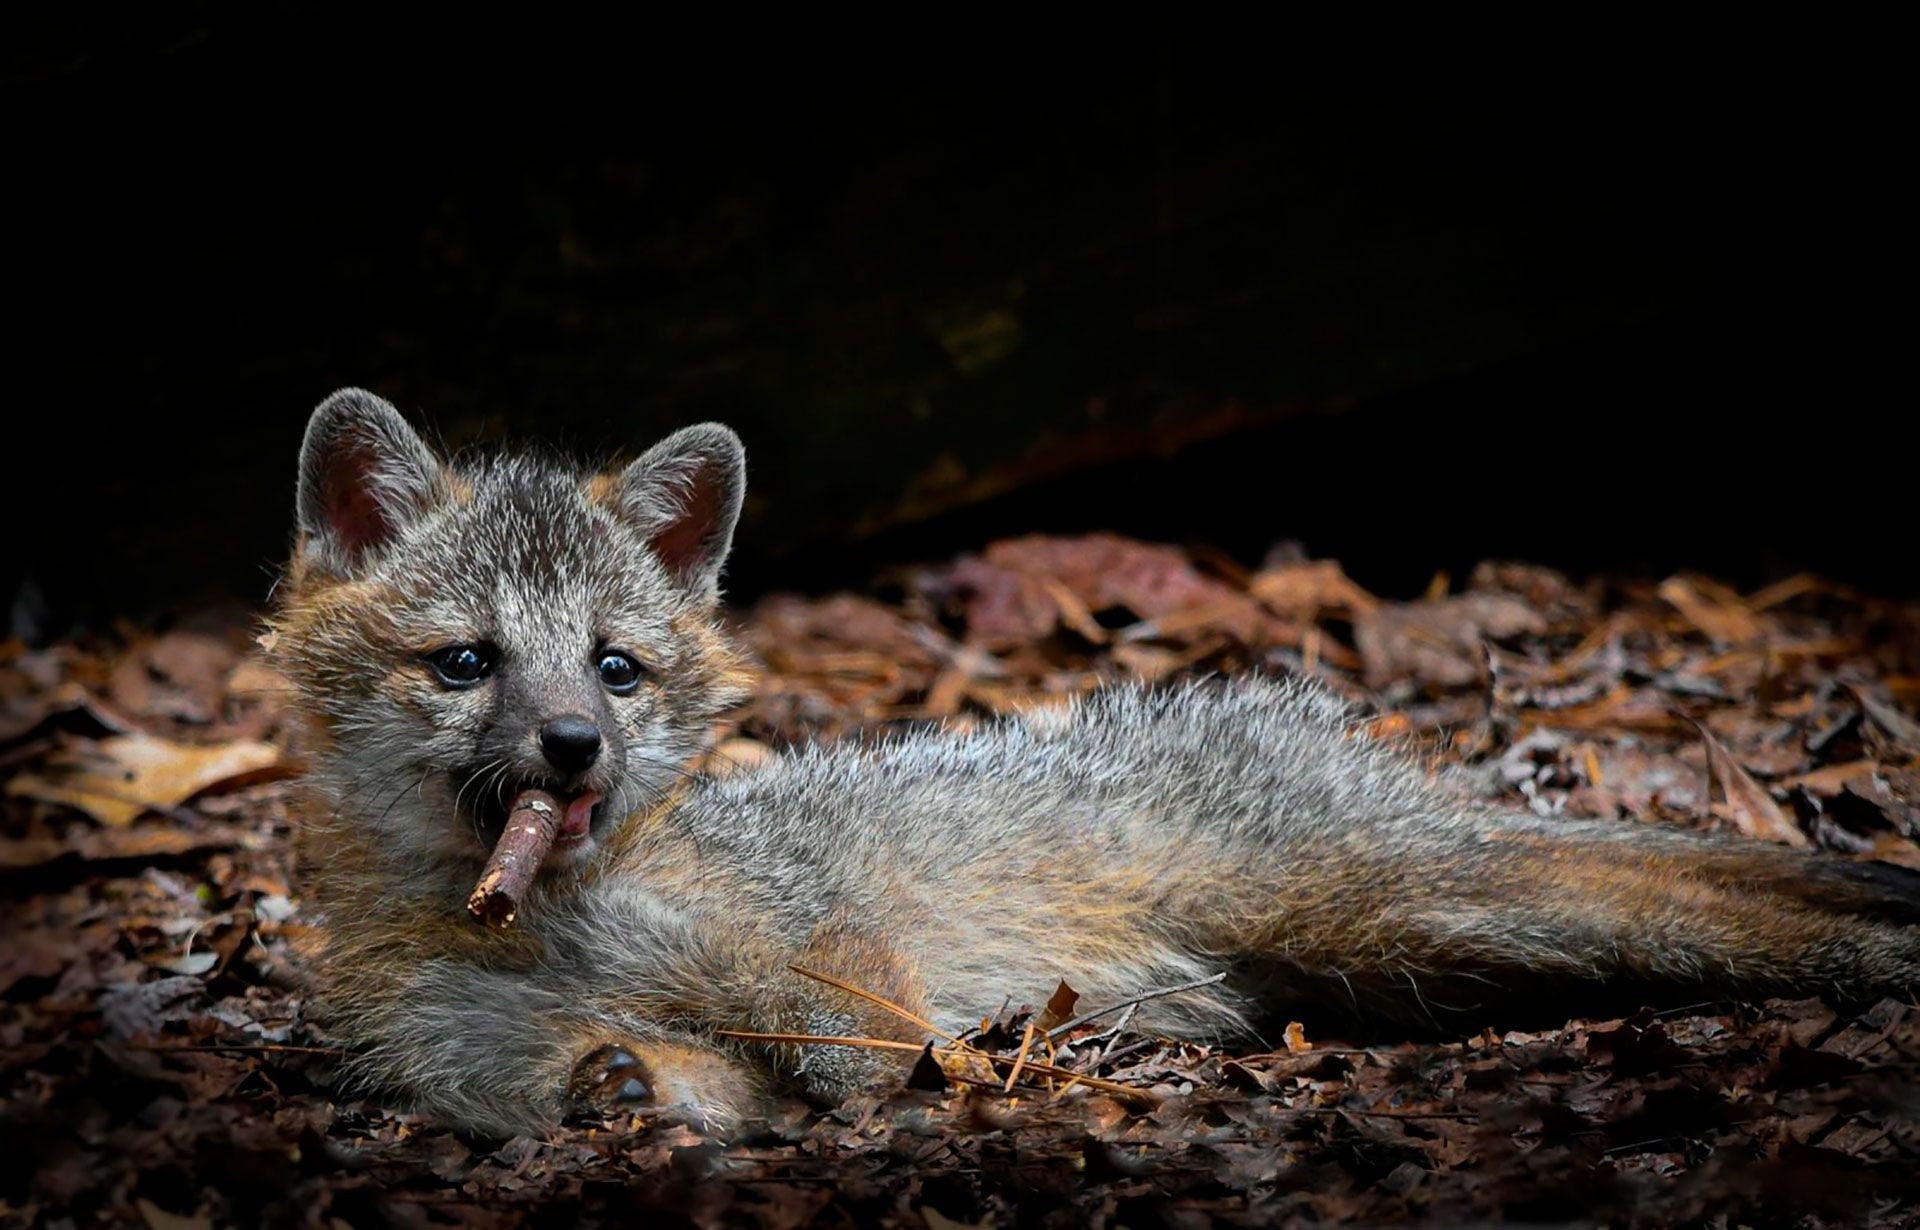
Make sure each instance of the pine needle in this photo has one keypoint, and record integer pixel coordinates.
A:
(878, 1001)
(1020, 1058)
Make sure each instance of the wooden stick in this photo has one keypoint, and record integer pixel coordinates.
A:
(532, 824)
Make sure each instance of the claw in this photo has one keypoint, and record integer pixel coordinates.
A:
(609, 1078)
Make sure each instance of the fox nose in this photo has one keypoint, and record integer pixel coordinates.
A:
(572, 742)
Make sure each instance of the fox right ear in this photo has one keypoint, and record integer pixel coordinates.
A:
(364, 475)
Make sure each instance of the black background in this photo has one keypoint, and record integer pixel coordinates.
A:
(1610, 299)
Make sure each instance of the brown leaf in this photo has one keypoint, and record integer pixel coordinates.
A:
(114, 780)
(67, 707)
(178, 675)
(1749, 807)
(1831, 779)
(158, 1218)
(138, 842)
(1438, 643)
(1059, 1009)
(927, 1073)
(1309, 590)
(1012, 592)
(1902, 729)
(1714, 609)
(1888, 848)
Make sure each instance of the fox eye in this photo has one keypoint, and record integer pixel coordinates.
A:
(462, 666)
(619, 672)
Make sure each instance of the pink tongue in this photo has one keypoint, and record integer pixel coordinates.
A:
(579, 814)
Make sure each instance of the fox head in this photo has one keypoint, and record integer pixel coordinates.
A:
(455, 633)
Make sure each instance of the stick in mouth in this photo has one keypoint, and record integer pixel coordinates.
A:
(533, 821)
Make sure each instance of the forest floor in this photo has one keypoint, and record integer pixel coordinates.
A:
(159, 1067)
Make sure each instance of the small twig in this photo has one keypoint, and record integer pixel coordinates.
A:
(1129, 1049)
(876, 1000)
(1020, 1057)
(1141, 998)
(1119, 1027)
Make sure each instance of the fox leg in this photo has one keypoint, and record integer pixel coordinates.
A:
(780, 1000)
(503, 1053)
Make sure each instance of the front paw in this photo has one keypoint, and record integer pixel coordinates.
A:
(665, 1081)
(609, 1080)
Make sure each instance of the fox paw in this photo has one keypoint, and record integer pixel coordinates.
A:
(670, 1083)
(608, 1080)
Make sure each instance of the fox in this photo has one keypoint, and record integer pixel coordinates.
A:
(457, 630)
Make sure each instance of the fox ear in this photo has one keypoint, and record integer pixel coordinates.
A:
(684, 495)
(364, 475)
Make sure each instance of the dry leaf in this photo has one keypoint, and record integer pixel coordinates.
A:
(1717, 611)
(1833, 778)
(158, 1218)
(139, 842)
(1059, 1009)
(114, 780)
(1311, 589)
(1439, 642)
(1902, 729)
(1296, 1038)
(1749, 807)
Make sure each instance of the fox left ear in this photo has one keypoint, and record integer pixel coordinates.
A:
(684, 494)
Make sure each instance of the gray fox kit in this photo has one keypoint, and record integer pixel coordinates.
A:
(457, 633)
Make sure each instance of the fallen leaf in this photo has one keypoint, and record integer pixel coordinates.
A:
(1714, 609)
(1831, 779)
(1059, 1009)
(1902, 729)
(114, 780)
(158, 1218)
(67, 707)
(1749, 807)
(138, 842)
(1888, 848)
(1439, 642)
(178, 675)
(1310, 590)
(1012, 592)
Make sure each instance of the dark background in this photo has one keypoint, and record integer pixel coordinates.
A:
(1603, 299)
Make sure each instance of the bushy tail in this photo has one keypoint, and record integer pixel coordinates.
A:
(1545, 919)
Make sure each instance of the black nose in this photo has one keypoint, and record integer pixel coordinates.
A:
(571, 743)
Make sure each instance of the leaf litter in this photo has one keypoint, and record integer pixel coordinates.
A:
(158, 1066)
